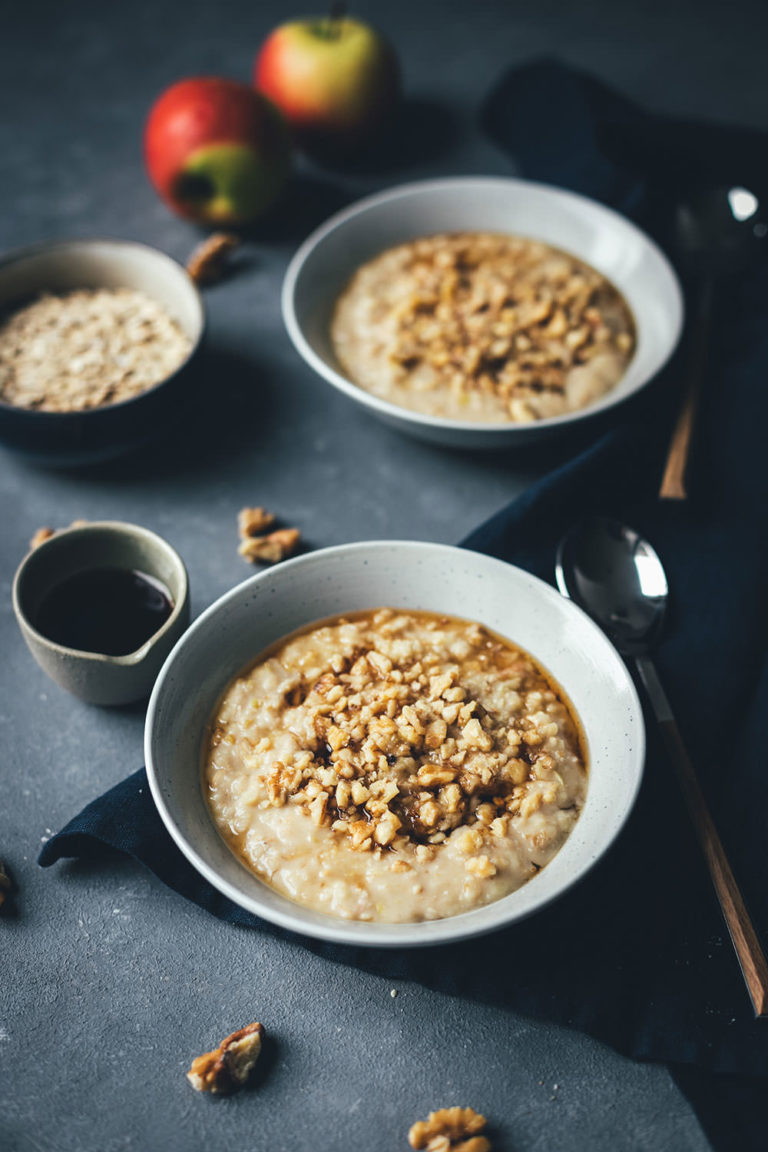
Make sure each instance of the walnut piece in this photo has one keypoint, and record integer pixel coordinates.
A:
(5, 884)
(44, 534)
(207, 262)
(450, 1130)
(272, 548)
(253, 522)
(256, 544)
(228, 1067)
(41, 536)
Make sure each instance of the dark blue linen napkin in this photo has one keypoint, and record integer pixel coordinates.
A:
(637, 955)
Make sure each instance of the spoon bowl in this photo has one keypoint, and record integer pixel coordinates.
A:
(617, 578)
(720, 231)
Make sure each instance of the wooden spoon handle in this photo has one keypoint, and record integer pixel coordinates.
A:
(748, 949)
(673, 483)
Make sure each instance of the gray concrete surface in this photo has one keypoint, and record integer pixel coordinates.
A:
(110, 983)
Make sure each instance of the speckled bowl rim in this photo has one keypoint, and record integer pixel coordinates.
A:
(18, 254)
(478, 922)
(130, 659)
(399, 412)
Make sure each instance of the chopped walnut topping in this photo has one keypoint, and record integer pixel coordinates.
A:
(254, 522)
(208, 261)
(503, 322)
(273, 547)
(384, 741)
(450, 1130)
(391, 768)
(227, 1068)
(480, 866)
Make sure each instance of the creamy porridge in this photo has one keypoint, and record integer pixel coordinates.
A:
(394, 766)
(482, 326)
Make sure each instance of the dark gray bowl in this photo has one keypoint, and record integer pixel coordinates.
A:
(67, 438)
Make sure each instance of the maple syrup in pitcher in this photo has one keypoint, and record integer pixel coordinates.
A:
(112, 611)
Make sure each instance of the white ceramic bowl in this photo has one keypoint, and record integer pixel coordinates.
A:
(588, 230)
(434, 577)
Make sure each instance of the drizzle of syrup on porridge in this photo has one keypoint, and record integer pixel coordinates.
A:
(394, 765)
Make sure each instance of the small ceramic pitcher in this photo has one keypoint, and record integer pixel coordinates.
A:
(93, 676)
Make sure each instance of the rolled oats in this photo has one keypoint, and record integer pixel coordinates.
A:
(87, 348)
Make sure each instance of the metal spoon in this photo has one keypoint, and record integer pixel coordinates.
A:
(717, 233)
(619, 580)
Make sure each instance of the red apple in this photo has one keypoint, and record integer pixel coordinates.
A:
(216, 151)
(333, 78)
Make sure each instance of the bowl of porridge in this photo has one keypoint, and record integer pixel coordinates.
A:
(97, 345)
(481, 312)
(394, 744)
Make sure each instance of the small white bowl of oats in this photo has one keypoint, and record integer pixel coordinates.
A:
(97, 338)
(394, 744)
(482, 311)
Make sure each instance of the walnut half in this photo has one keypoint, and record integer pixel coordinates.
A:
(272, 548)
(257, 543)
(207, 263)
(450, 1130)
(40, 537)
(253, 521)
(228, 1067)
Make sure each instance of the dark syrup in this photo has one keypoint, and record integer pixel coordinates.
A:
(108, 610)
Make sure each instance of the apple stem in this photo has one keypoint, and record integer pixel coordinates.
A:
(336, 13)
